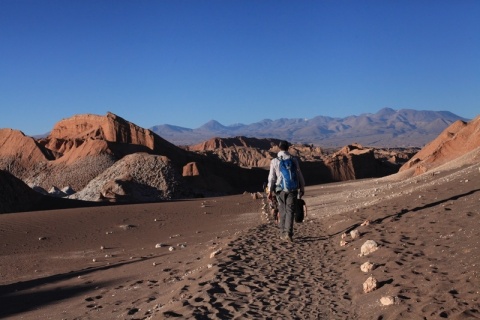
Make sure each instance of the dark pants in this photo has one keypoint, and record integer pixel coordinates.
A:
(286, 207)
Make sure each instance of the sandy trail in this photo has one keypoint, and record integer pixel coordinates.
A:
(428, 229)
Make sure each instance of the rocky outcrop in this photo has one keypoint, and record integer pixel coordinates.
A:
(108, 128)
(19, 153)
(139, 177)
(351, 162)
(240, 141)
(457, 140)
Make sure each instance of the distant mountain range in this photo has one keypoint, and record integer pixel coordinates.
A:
(386, 128)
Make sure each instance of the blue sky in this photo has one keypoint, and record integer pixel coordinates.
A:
(186, 62)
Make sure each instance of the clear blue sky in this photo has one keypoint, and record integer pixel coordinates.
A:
(187, 62)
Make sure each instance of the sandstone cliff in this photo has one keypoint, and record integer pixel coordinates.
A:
(457, 140)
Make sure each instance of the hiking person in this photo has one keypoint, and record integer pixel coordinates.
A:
(285, 181)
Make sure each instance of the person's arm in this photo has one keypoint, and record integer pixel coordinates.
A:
(272, 178)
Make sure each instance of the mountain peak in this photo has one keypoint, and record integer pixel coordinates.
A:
(213, 125)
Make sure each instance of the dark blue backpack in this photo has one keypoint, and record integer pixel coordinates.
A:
(288, 171)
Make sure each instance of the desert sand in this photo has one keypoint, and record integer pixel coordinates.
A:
(221, 258)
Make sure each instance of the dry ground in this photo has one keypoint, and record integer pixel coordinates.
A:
(101, 263)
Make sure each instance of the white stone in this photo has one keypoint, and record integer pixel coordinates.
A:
(171, 249)
(370, 284)
(214, 253)
(355, 234)
(365, 223)
(388, 300)
(158, 245)
(367, 267)
(368, 247)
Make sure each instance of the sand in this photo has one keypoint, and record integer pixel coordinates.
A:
(229, 263)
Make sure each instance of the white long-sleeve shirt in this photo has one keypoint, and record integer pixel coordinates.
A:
(274, 176)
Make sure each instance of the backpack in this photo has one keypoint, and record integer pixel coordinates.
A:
(288, 172)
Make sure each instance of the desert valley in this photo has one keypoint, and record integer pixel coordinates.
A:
(103, 219)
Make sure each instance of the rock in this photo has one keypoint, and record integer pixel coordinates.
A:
(343, 243)
(126, 226)
(344, 235)
(388, 300)
(458, 139)
(56, 192)
(370, 284)
(367, 267)
(68, 190)
(368, 247)
(214, 253)
(158, 245)
(171, 249)
(365, 223)
(355, 234)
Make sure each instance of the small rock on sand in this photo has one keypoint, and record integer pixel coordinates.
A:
(368, 247)
(388, 300)
(355, 234)
(370, 284)
(365, 223)
(214, 253)
(367, 267)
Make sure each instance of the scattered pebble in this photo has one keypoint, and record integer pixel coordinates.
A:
(355, 234)
(388, 300)
(214, 253)
(171, 249)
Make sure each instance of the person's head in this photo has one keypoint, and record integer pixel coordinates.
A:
(283, 145)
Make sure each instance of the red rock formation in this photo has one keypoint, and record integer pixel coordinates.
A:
(457, 140)
(190, 170)
(223, 143)
(109, 128)
(19, 153)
